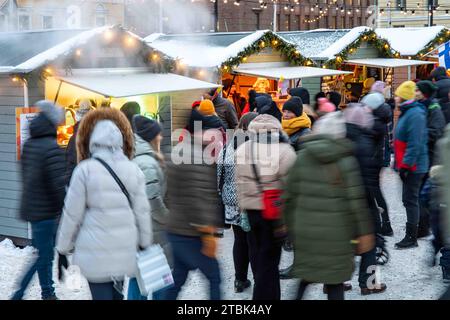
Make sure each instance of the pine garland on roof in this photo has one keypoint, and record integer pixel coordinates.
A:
(269, 39)
(441, 38)
(371, 38)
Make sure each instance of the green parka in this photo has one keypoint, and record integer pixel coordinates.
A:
(326, 209)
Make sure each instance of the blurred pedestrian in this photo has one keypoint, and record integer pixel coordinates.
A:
(324, 106)
(195, 214)
(43, 184)
(130, 109)
(303, 94)
(335, 98)
(226, 179)
(150, 160)
(442, 81)
(326, 222)
(106, 213)
(411, 156)
(382, 114)
(296, 122)
(261, 165)
(224, 109)
(273, 110)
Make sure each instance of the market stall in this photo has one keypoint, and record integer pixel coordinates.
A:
(279, 77)
(104, 67)
(390, 70)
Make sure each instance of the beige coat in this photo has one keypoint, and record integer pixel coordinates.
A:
(273, 161)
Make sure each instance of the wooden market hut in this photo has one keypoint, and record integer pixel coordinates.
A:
(107, 65)
(223, 57)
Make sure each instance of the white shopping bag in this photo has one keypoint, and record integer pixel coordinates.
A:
(153, 270)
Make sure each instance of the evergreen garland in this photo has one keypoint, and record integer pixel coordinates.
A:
(269, 39)
(441, 38)
(371, 38)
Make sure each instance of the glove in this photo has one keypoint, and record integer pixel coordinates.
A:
(209, 241)
(209, 247)
(403, 173)
(364, 243)
(62, 262)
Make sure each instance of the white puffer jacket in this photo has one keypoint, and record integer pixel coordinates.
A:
(98, 226)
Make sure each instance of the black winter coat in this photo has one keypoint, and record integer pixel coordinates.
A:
(382, 117)
(43, 173)
(364, 151)
(435, 124)
(443, 84)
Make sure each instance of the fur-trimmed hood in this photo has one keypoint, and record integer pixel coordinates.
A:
(89, 123)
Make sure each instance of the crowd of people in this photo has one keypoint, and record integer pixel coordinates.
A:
(305, 178)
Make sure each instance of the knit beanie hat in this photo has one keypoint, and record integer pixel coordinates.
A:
(406, 91)
(146, 128)
(359, 115)
(378, 86)
(325, 106)
(245, 120)
(335, 98)
(273, 110)
(373, 100)
(130, 109)
(196, 104)
(300, 92)
(52, 111)
(206, 108)
(427, 88)
(262, 100)
(295, 105)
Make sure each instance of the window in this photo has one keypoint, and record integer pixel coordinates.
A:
(400, 4)
(100, 15)
(24, 22)
(287, 22)
(47, 22)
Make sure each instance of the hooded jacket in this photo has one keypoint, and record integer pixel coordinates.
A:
(296, 128)
(325, 209)
(98, 225)
(43, 172)
(155, 187)
(272, 159)
(411, 137)
(226, 112)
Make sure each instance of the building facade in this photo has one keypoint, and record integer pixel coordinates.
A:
(413, 13)
(22, 15)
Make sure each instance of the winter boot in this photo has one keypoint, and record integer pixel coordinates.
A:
(410, 239)
(240, 286)
(446, 275)
(386, 229)
(286, 273)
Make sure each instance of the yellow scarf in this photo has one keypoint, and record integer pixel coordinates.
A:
(293, 125)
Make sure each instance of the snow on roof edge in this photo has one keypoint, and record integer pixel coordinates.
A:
(342, 43)
(403, 45)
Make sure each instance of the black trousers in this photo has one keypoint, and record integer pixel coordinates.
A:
(104, 291)
(335, 291)
(410, 196)
(241, 253)
(265, 252)
(379, 198)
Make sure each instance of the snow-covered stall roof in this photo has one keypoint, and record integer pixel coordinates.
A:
(119, 83)
(322, 44)
(206, 50)
(286, 72)
(409, 41)
(18, 47)
(64, 48)
(387, 62)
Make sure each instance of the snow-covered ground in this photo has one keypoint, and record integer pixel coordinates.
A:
(406, 275)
